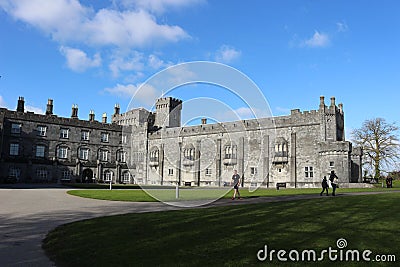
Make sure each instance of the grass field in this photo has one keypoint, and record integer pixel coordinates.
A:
(232, 235)
(196, 193)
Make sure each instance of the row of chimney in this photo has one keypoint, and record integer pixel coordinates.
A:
(74, 114)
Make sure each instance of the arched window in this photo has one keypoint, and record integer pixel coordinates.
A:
(154, 155)
(107, 176)
(126, 177)
(230, 151)
(121, 156)
(188, 152)
(103, 155)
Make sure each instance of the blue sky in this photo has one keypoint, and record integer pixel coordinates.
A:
(97, 53)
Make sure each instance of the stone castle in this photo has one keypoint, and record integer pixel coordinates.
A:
(152, 148)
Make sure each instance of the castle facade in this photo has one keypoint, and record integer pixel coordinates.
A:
(152, 148)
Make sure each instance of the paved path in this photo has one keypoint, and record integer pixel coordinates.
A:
(27, 215)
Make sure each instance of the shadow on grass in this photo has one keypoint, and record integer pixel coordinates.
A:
(231, 236)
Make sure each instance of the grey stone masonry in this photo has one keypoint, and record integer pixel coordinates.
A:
(145, 147)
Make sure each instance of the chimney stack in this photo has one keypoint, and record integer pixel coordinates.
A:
(104, 118)
(74, 114)
(91, 115)
(322, 101)
(49, 109)
(116, 109)
(21, 104)
(333, 104)
(204, 121)
(340, 108)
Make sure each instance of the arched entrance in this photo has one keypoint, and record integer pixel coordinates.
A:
(87, 176)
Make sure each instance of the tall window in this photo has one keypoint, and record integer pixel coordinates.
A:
(309, 172)
(85, 135)
(14, 149)
(170, 172)
(188, 153)
(230, 152)
(104, 137)
(66, 175)
(103, 155)
(84, 153)
(16, 128)
(107, 176)
(42, 130)
(64, 133)
(40, 149)
(126, 177)
(253, 170)
(14, 172)
(41, 174)
(62, 152)
(281, 149)
(123, 139)
(208, 171)
(121, 156)
(154, 155)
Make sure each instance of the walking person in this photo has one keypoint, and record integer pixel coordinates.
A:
(324, 186)
(334, 182)
(236, 183)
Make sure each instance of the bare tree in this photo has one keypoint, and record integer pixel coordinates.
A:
(380, 144)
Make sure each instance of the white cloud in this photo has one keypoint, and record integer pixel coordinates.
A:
(78, 60)
(59, 18)
(3, 103)
(318, 40)
(129, 29)
(130, 61)
(227, 54)
(36, 110)
(142, 93)
(342, 26)
(156, 63)
(159, 6)
(69, 21)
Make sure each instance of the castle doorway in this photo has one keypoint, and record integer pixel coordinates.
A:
(87, 176)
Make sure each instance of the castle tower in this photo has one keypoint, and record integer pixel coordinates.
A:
(332, 121)
(168, 112)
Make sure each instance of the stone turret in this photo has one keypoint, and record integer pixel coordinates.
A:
(21, 104)
(168, 112)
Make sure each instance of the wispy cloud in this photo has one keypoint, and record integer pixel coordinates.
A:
(159, 6)
(342, 26)
(3, 103)
(142, 93)
(126, 61)
(36, 110)
(319, 39)
(227, 54)
(78, 60)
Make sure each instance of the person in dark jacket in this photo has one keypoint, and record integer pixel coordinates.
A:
(324, 186)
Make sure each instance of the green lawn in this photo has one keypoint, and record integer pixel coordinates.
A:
(232, 235)
(196, 193)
